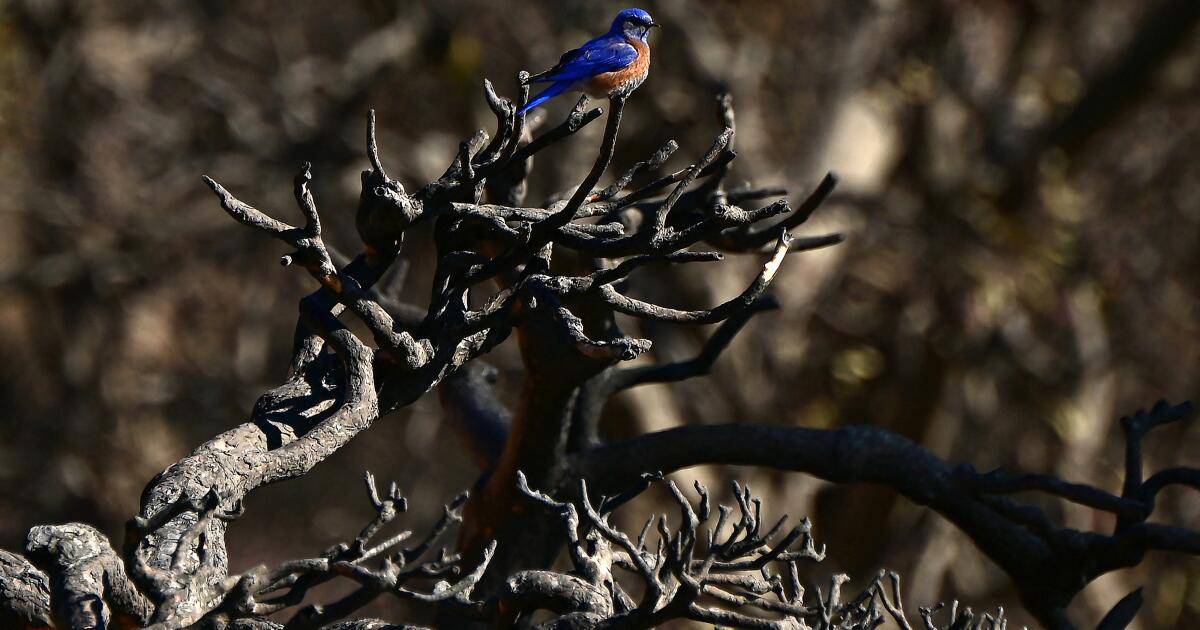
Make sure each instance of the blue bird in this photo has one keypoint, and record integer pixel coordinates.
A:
(614, 64)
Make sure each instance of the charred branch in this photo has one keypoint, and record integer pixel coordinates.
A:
(718, 566)
(1048, 564)
(379, 565)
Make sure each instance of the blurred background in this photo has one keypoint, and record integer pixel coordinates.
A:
(1020, 192)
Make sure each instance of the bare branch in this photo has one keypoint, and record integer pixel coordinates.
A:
(652, 163)
(1001, 482)
(24, 594)
(638, 308)
(87, 577)
(702, 363)
(576, 120)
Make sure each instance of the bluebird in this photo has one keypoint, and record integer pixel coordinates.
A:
(614, 64)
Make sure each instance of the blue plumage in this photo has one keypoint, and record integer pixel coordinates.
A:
(604, 54)
(619, 49)
(547, 94)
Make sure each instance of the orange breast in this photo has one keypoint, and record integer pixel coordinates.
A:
(626, 79)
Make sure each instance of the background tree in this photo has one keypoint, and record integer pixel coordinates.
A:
(996, 282)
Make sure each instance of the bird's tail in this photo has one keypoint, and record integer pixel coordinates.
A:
(558, 87)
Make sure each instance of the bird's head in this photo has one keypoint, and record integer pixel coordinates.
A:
(633, 23)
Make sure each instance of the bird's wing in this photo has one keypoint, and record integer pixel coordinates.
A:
(603, 54)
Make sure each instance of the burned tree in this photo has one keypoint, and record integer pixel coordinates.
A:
(556, 276)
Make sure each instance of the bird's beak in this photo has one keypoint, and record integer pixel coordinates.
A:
(655, 25)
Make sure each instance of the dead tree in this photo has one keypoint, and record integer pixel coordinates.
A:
(556, 276)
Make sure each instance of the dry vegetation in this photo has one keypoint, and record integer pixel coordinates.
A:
(1019, 191)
